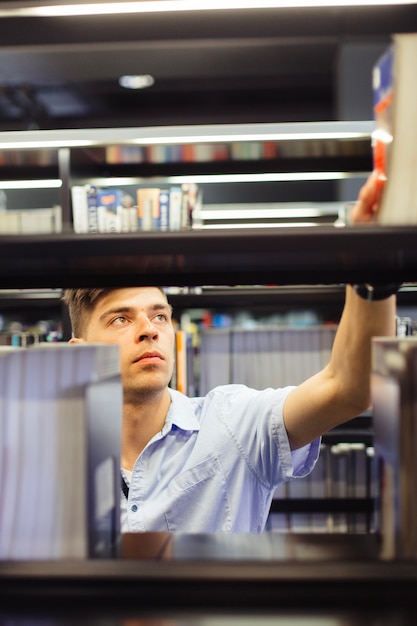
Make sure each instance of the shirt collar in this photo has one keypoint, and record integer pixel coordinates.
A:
(181, 412)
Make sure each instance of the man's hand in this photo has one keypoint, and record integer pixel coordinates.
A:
(367, 205)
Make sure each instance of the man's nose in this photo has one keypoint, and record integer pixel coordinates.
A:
(145, 328)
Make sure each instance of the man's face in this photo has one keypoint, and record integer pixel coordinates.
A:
(139, 320)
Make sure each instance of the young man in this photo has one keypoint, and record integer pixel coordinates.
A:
(212, 464)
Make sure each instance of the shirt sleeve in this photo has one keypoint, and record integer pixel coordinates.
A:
(255, 421)
(292, 463)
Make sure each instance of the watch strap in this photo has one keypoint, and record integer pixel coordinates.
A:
(372, 292)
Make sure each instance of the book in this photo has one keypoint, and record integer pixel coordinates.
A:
(181, 361)
(395, 86)
(60, 451)
(113, 207)
(185, 207)
(148, 208)
(108, 213)
(92, 208)
(9, 222)
(164, 209)
(393, 388)
(383, 91)
(192, 214)
(79, 207)
(175, 207)
(184, 379)
(31, 221)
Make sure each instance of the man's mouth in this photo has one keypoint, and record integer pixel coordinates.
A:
(149, 356)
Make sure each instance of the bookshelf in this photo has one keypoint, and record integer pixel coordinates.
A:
(242, 164)
(294, 255)
(322, 255)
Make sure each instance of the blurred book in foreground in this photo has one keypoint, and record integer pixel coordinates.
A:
(395, 135)
(60, 425)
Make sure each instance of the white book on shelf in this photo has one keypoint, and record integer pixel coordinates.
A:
(175, 208)
(79, 207)
(9, 222)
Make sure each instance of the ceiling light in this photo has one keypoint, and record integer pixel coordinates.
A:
(158, 6)
(136, 81)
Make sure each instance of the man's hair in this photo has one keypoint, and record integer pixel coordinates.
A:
(81, 303)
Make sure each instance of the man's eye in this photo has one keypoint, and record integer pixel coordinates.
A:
(119, 320)
(161, 317)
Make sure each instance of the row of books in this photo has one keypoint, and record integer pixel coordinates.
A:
(103, 210)
(262, 357)
(31, 221)
(258, 356)
(233, 151)
(60, 437)
(185, 375)
(24, 338)
(37, 158)
(343, 470)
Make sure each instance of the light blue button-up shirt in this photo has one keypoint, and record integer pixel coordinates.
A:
(215, 464)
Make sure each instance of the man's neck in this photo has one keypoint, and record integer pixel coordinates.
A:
(141, 421)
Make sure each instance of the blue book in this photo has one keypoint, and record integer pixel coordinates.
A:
(164, 209)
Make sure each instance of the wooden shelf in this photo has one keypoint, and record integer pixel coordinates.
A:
(285, 256)
(210, 573)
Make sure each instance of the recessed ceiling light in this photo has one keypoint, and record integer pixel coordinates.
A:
(136, 81)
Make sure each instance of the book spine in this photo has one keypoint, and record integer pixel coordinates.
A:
(148, 208)
(383, 95)
(79, 208)
(164, 209)
(175, 204)
(112, 202)
(185, 207)
(181, 360)
(92, 204)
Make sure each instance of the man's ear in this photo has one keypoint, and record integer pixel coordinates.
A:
(76, 340)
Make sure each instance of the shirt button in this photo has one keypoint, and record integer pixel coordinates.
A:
(134, 508)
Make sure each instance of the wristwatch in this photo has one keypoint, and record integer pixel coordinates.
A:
(371, 292)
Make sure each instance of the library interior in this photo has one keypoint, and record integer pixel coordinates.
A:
(216, 151)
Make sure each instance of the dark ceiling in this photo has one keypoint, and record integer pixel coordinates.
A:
(209, 67)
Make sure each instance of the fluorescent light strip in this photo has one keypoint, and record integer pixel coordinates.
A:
(278, 177)
(53, 183)
(42, 143)
(164, 6)
(187, 134)
(258, 225)
(246, 214)
(182, 139)
(270, 210)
